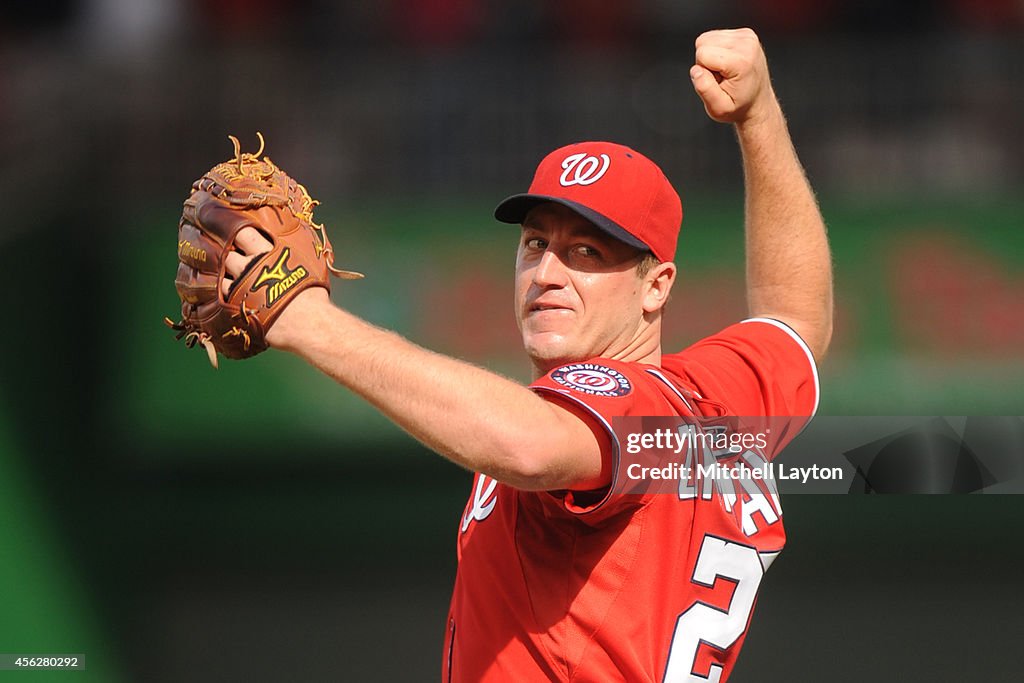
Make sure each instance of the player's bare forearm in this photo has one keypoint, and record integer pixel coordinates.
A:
(789, 266)
(475, 418)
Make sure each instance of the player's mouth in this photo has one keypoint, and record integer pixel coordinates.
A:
(540, 307)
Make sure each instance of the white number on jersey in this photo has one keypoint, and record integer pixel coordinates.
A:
(703, 624)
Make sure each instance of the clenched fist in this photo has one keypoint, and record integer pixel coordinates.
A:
(731, 76)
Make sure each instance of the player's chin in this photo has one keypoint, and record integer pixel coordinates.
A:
(547, 349)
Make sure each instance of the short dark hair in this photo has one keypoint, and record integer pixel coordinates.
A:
(646, 262)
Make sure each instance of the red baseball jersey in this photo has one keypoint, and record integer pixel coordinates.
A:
(570, 586)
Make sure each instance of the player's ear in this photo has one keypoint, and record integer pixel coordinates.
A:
(658, 285)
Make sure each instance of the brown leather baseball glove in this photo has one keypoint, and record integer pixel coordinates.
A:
(246, 192)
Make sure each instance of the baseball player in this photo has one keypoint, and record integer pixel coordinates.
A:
(560, 577)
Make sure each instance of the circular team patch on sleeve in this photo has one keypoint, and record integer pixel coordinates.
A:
(593, 379)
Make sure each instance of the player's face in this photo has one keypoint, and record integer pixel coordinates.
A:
(577, 292)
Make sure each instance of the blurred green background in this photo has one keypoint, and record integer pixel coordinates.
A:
(257, 523)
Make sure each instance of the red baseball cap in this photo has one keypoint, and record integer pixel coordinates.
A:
(619, 190)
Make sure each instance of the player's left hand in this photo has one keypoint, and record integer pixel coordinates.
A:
(250, 244)
(731, 76)
(240, 210)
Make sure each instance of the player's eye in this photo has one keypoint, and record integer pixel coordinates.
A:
(535, 243)
(587, 251)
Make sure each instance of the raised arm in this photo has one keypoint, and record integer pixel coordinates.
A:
(789, 266)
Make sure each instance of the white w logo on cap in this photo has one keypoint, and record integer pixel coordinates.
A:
(585, 169)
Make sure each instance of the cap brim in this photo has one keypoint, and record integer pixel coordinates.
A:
(514, 209)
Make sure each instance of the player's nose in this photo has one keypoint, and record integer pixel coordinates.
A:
(550, 272)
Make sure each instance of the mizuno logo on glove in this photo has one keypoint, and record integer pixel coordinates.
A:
(281, 278)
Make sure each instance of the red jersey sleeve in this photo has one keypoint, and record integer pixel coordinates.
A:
(757, 367)
(597, 391)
